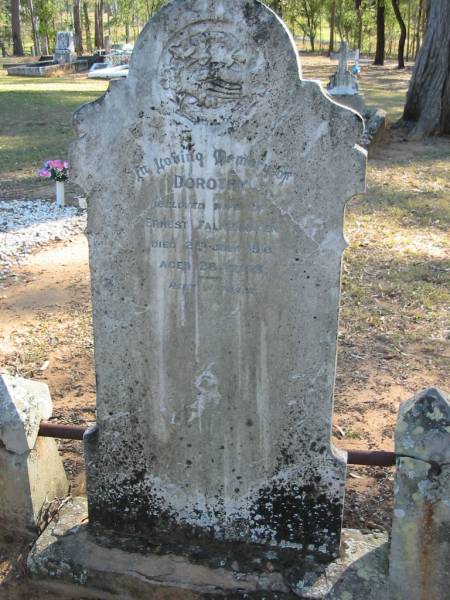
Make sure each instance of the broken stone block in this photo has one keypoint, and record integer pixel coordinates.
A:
(420, 546)
(31, 471)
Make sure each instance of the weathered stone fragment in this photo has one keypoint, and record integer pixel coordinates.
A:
(217, 179)
(420, 546)
(31, 470)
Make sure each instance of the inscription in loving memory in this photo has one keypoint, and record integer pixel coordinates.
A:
(210, 228)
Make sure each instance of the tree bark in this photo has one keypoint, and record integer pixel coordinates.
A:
(87, 26)
(15, 28)
(402, 39)
(418, 26)
(78, 28)
(408, 34)
(428, 100)
(359, 15)
(99, 24)
(34, 29)
(332, 26)
(44, 44)
(381, 36)
(3, 49)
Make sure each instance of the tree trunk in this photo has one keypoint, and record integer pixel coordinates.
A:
(359, 15)
(99, 24)
(44, 44)
(77, 27)
(428, 99)
(408, 34)
(381, 37)
(418, 26)
(332, 26)
(34, 29)
(87, 26)
(15, 28)
(402, 39)
(3, 49)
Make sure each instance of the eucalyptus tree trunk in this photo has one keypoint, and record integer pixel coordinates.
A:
(428, 100)
(15, 28)
(402, 39)
(381, 36)
(98, 24)
(77, 27)
(418, 27)
(34, 29)
(3, 49)
(359, 15)
(87, 26)
(332, 26)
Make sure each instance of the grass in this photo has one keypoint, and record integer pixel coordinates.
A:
(36, 122)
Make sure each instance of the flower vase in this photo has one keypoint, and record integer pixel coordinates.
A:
(60, 193)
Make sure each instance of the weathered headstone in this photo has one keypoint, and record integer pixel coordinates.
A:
(343, 84)
(31, 471)
(65, 47)
(217, 179)
(420, 545)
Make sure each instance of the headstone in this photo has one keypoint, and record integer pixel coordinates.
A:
(65, 47)
(343, 81)
(420, 545)
(343, 84)
(215, 227)
(31, 471)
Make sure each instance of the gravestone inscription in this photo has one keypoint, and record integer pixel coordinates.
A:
(215, 234)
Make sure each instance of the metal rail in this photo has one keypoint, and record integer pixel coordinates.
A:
(373, 458)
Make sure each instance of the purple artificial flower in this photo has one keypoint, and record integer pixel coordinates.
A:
(44, 173)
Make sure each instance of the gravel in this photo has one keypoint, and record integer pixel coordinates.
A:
(27, 224)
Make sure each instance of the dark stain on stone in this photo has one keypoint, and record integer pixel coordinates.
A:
(300, 514)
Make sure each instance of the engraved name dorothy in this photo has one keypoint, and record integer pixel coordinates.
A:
(212, 227)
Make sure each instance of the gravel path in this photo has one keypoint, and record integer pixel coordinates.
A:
(27, 224)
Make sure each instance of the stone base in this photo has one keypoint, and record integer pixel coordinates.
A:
(376, 123)
(355, 101)
(70, 558)
(36, 70)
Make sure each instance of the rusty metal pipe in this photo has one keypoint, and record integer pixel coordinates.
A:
(64, 432)
(372, 458)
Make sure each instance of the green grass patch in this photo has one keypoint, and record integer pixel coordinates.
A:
(36, 119)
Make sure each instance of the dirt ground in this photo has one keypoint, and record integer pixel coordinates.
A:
(46, 334)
